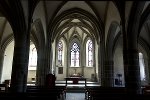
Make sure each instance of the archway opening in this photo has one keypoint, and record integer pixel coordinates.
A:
(32, 65)
(75, 48)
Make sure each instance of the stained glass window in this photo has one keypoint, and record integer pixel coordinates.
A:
(75, 52)
(89, 53)
(142, 69)
(60, 50)
(33, 57)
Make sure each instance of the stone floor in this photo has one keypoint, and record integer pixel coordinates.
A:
(76, 91)
(75, 96)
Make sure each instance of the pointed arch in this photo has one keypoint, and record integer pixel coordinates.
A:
(74, 50)
(111, 39)
(78, 13)
(75, 55)
(142, 65)
(89, 53)
(33, 56)
(59, 52)
(144, 48)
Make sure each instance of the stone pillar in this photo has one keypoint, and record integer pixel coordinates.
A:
(148, 70)
(131, 62)
(101, 62)
(44, 66)
(82, 59)
(20, 62)
(108, 72)
(132, 72)
(68, 61)
(1, 63)
(41, 68)
(130, 48)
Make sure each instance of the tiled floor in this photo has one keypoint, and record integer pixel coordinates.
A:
(75, 96)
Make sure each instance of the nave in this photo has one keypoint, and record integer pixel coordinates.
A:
(105, 42)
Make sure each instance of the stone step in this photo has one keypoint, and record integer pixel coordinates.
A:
(75, 89)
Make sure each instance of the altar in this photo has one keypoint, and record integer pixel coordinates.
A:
(75, 80)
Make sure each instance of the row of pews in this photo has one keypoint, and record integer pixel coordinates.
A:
(146, 90)
(56, 92)
(36, 92)
(114, 93)
(59, 93)
(3, 88)
(98, 92)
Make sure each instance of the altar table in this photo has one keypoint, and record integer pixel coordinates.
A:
(75, 79)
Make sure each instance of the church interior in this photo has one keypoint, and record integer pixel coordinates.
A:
(104, 43)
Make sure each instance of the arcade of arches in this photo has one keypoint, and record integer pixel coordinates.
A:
(99, 40)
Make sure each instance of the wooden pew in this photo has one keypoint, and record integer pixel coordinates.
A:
(38, 91)
(146, 90)
(95, 93)
(3, 88)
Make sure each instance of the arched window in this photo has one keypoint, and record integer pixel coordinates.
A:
(75, 55)
(60, 51)
(89, 53)
(33, 57)
(142, 69)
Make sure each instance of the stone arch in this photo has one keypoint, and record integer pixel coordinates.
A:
(118, 66)
(84, 48)
(110, 39)
(79, 12)
(143, 47)
(110, 44)
(4, 46)
(144, 17)
(134, 19)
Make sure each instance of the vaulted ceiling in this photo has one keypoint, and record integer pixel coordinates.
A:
(47, 10)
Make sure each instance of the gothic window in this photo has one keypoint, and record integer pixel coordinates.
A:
(142, 69)
(75, 55)
(89, 53)
(60, 50)
(33, 57)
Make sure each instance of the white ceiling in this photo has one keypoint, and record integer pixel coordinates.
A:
(50, 9)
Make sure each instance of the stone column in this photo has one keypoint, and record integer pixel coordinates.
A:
(20, 62)
(131, 62)
(83, 59)
(101, 62)
(132, 72)
(108, 72)
(1, 63)
(130, 48)
(41, 67)
(68, 61)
